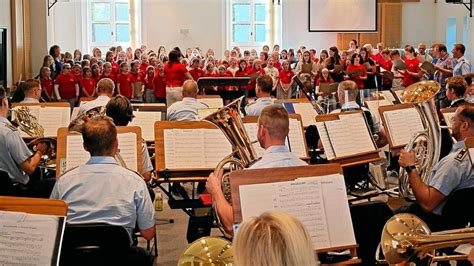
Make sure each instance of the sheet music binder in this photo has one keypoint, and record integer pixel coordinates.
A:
(389, 108)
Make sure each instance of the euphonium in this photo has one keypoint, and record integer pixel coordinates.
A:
(228, 120)
(426, 143)
(405, 237)
(28, 124)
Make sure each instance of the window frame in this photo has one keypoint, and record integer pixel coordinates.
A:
(252, 22)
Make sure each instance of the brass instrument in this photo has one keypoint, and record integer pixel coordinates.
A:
(308, 89)
(243, 154)
(405, 237)
(28, 124)
(208, 251)
(426, 143)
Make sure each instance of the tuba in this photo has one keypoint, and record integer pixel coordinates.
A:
(208, 251)
(426, 143)
(228, 120)
(28, 123)
(405, 238)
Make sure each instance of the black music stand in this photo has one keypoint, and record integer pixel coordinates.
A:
(222, 82)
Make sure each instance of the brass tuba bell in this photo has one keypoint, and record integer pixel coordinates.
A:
(215, 251)
(426, 143)
(228, 120)
(405, 237)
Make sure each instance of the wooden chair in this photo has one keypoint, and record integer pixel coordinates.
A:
(33, 205)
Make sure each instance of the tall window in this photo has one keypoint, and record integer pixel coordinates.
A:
(109, 23)
(249, 23)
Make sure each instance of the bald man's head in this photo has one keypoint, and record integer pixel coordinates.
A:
(190, 89)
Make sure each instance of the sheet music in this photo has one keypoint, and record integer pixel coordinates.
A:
(212, 102)
(52, 118)
(307, 112)
(128, 149)
(194, 148)
(402, 124)
(374, 106)
(202, 113)
(448, 118)
(146, 121)
(349, 135)
(216, 147)
(398, 93)
(464, 249)
(75, 111)
(251, 129)
(296, 139)
(471, 155)
(30, 239)
(76, 155)
(324, 136)
(319, 202)
(388, 96)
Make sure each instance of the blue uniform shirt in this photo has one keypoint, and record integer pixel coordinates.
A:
(277, 156)
(452, 173)
(185, 110)
(101, 191)
(255, 108)
(13, 152)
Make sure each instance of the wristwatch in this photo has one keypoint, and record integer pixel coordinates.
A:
(410, 168)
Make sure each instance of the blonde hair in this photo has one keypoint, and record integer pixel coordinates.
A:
(273, 238)
(275, 118)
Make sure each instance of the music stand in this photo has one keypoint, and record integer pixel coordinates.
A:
(224, 81)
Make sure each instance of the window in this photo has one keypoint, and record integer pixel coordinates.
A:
(110, 23)
(451, 33)
(249, 23)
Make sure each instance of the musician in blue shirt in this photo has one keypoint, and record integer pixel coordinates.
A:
(263, 90)
(273, 128)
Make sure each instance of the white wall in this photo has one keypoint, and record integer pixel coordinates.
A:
(295, 28)
(163, 21)
(5, 23)
(418, 23)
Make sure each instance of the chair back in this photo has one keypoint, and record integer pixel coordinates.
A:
(6, 184)
(94, 244)
(455, 214)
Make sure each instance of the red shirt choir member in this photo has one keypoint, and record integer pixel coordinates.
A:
(65, 86)
(137, 81)
(124, 81)
(413, 72)
(46, 83)
(195, 71)
(160, 84)
(356, 66)
(285, 80)
(87, 83)
(176, 73)
(108, 72)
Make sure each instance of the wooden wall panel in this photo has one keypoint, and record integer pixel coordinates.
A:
(20, 14)
(392, 26)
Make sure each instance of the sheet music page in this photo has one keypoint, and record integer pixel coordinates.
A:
(184, 148)
(338, 216)
(307, 112)
(75, 153)
(216, 147)
(464, 249)
(252, 132)
(388, 96)
(448, 118)
(52, 118)
(304, 200)
(402, 125)
(349, 135)
(256, 199)
(212, 102)
(28, 239)
(296, 139)
(146, 121)
(202, 113)
(374, 106)
(324, 136)
(128, 149)
(75, 111)
(398, 93)
(471, 155)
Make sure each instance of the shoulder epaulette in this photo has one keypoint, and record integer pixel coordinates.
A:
(12, 127)
(461, 155)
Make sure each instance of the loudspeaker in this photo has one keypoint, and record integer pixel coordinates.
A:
(3, 57)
